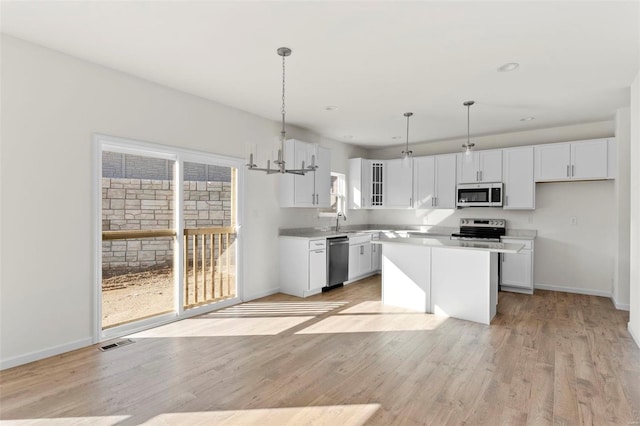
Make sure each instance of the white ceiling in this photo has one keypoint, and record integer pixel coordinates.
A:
(374, 60)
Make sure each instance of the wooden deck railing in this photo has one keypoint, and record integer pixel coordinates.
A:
(209, 273)
(209, 261)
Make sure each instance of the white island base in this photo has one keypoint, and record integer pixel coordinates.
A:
(453, 282)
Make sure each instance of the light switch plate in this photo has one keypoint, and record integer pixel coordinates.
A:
(573, 220)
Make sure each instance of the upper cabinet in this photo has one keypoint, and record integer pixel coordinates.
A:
(430, 182)
(434, 179)
(582, 160)
(517, 173)
(398, 184)
(311, 189)
(480, 166)
(365, 183)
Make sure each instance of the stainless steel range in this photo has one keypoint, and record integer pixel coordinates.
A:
(481, 230)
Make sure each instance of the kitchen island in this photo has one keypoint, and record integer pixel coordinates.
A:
(445, 277)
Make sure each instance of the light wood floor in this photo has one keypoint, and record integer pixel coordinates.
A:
(342, 358)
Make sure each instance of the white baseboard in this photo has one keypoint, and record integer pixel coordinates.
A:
(45, 353)
(261, 294)
(634, 335)
(620, 306)
(589, 292)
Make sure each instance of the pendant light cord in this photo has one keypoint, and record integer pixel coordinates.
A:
(282, 110)
(408, 133)
(468, 125)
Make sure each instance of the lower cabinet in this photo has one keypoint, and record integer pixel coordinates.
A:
(317, 269)
(360, 258)
(516, 269)
(303, 265)
(376, 257)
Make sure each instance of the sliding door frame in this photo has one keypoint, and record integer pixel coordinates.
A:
(102, 143)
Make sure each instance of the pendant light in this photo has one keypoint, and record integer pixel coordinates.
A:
(468, 146)
(279, 161)
(407, 153)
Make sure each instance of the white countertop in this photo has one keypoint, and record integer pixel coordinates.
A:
(396, 231)
(455, 244)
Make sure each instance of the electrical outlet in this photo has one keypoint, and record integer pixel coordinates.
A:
(573, 220)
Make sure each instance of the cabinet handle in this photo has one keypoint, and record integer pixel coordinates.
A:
(435, 201)
(481, 175)
(432, 201)
(410, 201)
(506, 200)
(568, 171)
(361, 249)
(362, 205)
(477, 176)
(572, 170)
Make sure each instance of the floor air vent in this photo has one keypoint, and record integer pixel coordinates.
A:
(114, 345)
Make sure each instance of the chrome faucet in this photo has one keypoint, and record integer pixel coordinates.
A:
(344, 217)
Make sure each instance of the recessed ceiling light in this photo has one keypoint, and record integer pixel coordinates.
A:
(395, 138)
(330, 108)
(527, 119)
(508, 67)
(348, 136)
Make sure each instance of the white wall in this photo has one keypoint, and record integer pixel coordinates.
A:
(578, 258)
(621, 272)
(634, 314)
(51, 105)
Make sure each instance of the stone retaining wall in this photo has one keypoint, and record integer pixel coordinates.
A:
(129, 204)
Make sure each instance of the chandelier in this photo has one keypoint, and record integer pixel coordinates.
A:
(279, 162)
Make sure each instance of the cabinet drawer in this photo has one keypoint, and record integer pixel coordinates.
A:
(528, 244)
(317, 244)
(359, 239)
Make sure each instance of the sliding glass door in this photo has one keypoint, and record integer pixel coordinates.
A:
(168, 234)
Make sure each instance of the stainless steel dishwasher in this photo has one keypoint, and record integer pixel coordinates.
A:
(337, 262)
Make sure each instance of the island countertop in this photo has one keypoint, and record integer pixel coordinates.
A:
(493, 247)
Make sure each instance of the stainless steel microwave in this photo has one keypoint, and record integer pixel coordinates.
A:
(479, 195)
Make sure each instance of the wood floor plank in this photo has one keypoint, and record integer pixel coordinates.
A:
(344, 358)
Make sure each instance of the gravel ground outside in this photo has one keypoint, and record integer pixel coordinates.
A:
(134, 296)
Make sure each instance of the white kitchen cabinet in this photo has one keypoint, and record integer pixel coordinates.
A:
(360, 261)
(317, 269)
(303, 265)
(376, 253)
(311, 189)
(435, 182)
(589, 159)
(580, 160)
(398, 184)
(480, 166)
(519, 184)
(516, 269)
(365, 183)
